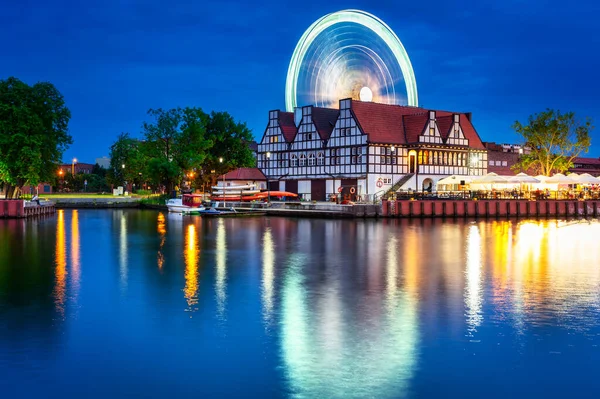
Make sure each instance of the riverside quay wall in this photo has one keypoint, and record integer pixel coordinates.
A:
(22, 209)
(489, 208)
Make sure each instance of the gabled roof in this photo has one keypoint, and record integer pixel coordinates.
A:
(414, 125)
(288, 127)
(324, 120)
(587, 161)
(470, 133)
(444, 124)
(383, 122)
(244, 174)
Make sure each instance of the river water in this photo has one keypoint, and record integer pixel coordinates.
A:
(103, 303)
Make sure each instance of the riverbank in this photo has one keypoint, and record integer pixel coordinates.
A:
(97, 202)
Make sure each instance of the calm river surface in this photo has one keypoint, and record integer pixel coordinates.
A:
(102, 303)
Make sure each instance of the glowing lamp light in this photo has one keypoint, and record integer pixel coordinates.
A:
(366, 94)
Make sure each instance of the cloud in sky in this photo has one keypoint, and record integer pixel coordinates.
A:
(114, 60)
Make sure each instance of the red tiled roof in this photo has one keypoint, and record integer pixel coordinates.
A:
(414, 125)
(444, 124)
(587, 161)
(244, 174)
(324, 120)
(288, 127)
(470, 133)
(383, 122)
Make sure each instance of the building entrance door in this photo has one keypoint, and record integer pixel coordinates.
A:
(412, 163)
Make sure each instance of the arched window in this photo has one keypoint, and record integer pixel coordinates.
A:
(320, 159)
(294, 160)
(303, 160)
(445, 159)
(427, 156)
(420, 157)
(455, 159)
(311, 160)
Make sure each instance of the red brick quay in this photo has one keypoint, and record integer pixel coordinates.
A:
(22, 209)
(489, 208)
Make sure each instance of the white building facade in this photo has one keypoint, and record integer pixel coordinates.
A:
(364, 149)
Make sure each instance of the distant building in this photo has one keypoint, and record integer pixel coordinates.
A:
(242, 177)
(501, 157)
(76, 168)
(103, 162)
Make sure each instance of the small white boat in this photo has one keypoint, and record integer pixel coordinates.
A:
(185, 204)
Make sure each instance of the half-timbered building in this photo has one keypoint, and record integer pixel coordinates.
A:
(366, 149)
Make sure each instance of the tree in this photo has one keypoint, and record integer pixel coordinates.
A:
(125, 160)
(554, 140)
(230, 140)
(175, 144)
(33, 133)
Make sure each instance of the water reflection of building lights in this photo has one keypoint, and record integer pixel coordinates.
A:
(191, 268)
(60, 262)
(268, 274)
(473, 291)
(75, 254)
(162, 231)
(123, 251)
(221, 275)
(373, 353)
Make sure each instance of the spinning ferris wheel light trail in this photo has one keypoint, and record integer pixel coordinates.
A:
(349, 54)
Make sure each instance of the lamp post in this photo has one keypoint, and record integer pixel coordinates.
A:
(392, 150)
(124, 182)
(60, 173)
(223, 189)
(73, 166)
(268, 155)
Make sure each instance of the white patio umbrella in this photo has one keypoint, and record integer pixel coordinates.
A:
(559, 178)
(586, 178)
(573, 176)
(523, 178)
(490, 178)
(454, 179)
(542, 178)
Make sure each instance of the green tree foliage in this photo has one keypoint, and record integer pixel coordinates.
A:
(230, 144)
(126, 160)
(555, 139)
(181, 144)
(33, 133)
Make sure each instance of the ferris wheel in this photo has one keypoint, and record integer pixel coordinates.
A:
(349, 54)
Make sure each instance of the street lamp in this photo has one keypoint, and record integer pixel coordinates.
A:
(60, 173)
(392, 151)
(73, 166)
(268, 155)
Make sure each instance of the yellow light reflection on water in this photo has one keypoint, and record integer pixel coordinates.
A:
(268, 274)
(75, 254)
(221, 275)
(545, 272)
(191, 268)
(60, 262)
(162, 231)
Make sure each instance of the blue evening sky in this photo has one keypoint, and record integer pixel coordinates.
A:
(113, 60)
